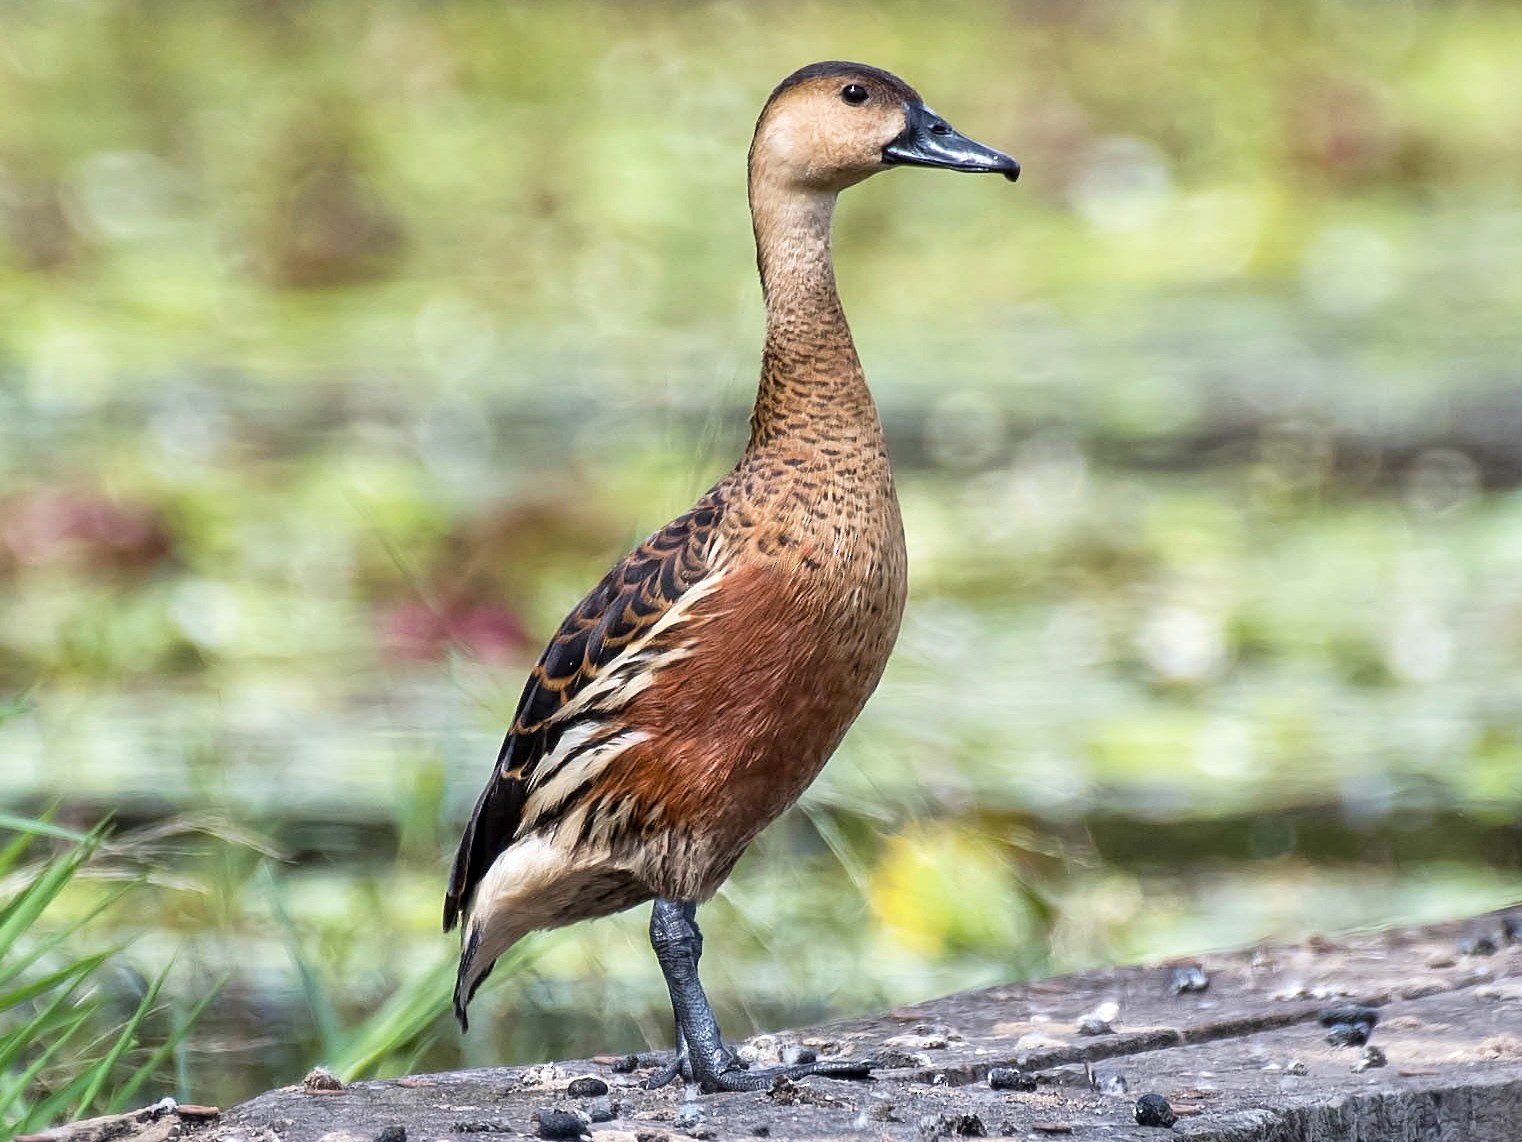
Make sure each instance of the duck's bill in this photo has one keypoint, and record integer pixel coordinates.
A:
(929, 141)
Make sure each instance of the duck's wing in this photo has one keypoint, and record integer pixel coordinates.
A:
(599, 658)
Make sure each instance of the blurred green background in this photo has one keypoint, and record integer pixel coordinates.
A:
(343, 345)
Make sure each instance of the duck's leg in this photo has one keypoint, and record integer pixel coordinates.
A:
(674, 932)
(701, 1055)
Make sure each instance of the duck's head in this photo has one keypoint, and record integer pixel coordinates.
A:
(830, 125)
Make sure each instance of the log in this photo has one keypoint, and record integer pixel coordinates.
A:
(1394, 1036)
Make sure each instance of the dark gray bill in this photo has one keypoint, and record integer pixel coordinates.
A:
(930, 141)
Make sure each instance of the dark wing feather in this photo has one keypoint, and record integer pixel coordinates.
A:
(630, 599)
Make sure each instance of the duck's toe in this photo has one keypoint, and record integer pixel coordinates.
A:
(736, 1078)
(680, 1067)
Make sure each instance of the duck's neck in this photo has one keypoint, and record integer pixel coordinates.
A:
(811, 378)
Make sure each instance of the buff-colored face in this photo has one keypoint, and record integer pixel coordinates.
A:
(831, 125)
(828, 133)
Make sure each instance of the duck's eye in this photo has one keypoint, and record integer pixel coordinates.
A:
(854, 94)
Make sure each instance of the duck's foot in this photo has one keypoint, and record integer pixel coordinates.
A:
(701, 1056)
(739, 1079)
(731, 1075)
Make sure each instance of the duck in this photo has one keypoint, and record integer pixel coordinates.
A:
(694, 693)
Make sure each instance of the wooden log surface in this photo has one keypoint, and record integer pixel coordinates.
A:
(1245, 1059)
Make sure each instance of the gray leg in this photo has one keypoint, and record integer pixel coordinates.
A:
(701, 1055)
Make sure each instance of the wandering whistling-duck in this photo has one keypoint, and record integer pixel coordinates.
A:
(698, 689)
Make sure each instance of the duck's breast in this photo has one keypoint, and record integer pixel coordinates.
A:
(782, 657)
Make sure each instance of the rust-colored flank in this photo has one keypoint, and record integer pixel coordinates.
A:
(699, 688)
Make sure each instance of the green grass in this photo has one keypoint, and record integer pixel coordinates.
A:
(391, 1038)
(63, 1054)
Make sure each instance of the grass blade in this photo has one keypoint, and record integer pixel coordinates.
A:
(39, 1115)
(77, 970)
(12, 968)
(12, 1044)
(22, 911)
(34, 827)
(323, 1012)
(409, 1012)
(120, 1098)
(126, 1038)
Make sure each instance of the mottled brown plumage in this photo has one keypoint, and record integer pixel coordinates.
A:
(697, 690)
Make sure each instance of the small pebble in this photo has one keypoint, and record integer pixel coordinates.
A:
(1478, 944)
(688, 1114)
(1441, 959)
(560, 1124)
(881, 1111)
(1100, 1020)
(1105, 1013)
(1349, 1025)
(1010, 1078)
(392, 1134)
(759, 1050)
(1372, 1057)
(1188, 979)
(1153, 1110)
(1350, 1013)
(762, 1130)
(543, 1075)
(601, 1109)
(1297, 1068)
(321, 1079)
(588, 1086)
(1348, 1034)
(796, 1055)
(1112, 1083)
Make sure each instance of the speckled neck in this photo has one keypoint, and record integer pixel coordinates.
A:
(811, 378)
